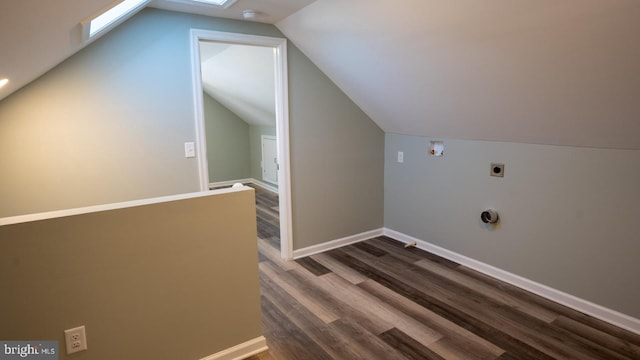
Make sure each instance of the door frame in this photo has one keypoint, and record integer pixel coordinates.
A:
(282, 120)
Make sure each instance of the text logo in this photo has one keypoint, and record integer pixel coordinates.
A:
(32, 350)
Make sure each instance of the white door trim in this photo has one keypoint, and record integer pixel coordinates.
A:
(282, 120)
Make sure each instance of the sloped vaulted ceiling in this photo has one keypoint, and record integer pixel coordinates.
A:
(37, 35)
(563, 72)
(242, 79)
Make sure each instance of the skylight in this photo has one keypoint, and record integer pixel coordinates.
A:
(221, 3)
(118, 12)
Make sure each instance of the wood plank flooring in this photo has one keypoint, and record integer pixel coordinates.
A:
(378, 300)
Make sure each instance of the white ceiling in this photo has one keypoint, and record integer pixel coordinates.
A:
(37, 35)
(271, 11)
(242, 78)
(535, 71)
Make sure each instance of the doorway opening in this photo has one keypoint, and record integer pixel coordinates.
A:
(278, 48)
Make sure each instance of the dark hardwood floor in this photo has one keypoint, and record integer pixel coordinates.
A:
(378, 300)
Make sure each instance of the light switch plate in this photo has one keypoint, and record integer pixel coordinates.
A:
(189, 150)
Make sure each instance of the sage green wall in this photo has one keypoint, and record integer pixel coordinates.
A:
(255, 140)
(337, 158)
(227, 135)
(109, 124)
(148, 282)
(568, 216)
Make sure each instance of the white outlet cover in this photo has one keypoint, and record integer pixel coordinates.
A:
(75, 339)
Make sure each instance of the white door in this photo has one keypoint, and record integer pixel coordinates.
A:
(269, 159)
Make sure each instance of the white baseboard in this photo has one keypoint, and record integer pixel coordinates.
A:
(253, 181)
(229, 183)
(611, 316)
(334, 244)
(241, 351)
(264, 185)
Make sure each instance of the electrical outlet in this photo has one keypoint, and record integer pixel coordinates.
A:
(75, 339)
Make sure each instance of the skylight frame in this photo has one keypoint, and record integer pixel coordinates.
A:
(110, 17)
